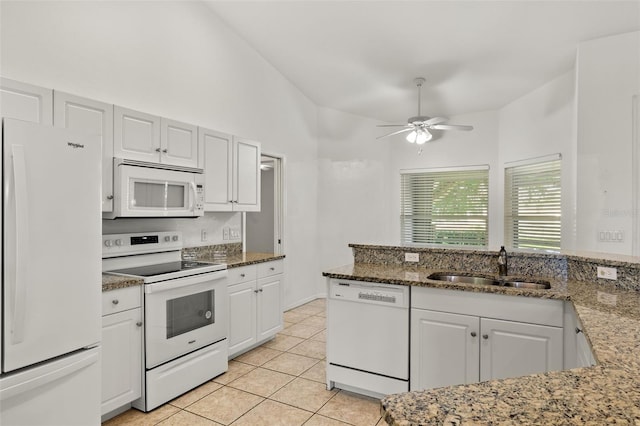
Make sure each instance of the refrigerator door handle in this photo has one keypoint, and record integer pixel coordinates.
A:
(10, 388)
(22, 244)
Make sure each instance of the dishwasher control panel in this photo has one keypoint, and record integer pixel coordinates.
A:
(364, 292)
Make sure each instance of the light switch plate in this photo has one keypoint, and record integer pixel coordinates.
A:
(411, 257)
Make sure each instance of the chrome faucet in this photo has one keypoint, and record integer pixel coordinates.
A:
(502, 262)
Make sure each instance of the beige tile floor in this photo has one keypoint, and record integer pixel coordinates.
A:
(281, 382)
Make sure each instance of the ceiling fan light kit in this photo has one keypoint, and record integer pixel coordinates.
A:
(420, 136)
(419, 126)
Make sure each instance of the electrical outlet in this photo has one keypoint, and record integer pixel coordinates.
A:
(234, 233)
(607, 273)
(225, 233)
(611, 236)
(411, 257)
(203, 235)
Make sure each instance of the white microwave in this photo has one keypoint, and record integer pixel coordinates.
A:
(143, 189)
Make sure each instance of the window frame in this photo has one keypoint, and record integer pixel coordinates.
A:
(542, 217)
(474, 220)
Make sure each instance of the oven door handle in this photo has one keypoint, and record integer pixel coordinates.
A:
(203, 280)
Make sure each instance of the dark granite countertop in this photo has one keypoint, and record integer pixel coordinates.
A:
(234, 260)
(608, 393)
(237, 260)
(114, 282)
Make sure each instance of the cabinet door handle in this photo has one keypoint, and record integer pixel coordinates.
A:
(485, 336)
(109, 197)
(242, 275)
(578, 330)
(165, 150)
(260, 290)
(115, 301)
(157, 149)
(473, 334)
(255, 291)
(139, 323)
(272, 268)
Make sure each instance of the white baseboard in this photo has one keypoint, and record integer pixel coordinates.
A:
(305, 300)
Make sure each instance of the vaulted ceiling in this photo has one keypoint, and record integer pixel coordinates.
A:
(362, 56)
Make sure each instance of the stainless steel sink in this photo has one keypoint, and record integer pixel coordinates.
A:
(540, 285)
(472, 279)
(463, 279)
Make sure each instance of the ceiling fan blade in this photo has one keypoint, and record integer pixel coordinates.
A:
(396, 133)
(451, 127)
(391, 125)
(435, 120)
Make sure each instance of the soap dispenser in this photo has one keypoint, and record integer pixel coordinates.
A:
(502, 262)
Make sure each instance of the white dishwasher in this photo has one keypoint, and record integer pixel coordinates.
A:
(367, 337)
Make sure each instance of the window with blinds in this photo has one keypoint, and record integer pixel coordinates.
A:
(445, 207)
(533, 205)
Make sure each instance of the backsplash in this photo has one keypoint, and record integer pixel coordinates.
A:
(213, 224)
(221, 251)
(548, 265)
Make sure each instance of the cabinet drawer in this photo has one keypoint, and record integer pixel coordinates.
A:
(121, 299)
(241, 275)
(270, 268)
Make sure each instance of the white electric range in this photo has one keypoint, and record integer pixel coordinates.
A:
(185, 312)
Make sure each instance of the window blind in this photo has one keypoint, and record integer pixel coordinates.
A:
(445, 207)
(533, 205)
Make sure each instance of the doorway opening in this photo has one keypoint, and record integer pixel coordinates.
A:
(264, 229)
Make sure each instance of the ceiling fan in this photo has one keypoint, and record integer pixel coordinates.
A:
(420, 125)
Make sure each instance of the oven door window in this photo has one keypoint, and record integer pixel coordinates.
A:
(190, 312)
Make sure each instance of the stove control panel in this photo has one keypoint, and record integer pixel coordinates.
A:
(114, 245)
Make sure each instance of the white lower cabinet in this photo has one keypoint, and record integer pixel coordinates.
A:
(444, 349)
(255, 305)
(513, 349)
(121, 348)
(242, 316)
(269, 307)
(577, 350)
(450, 347)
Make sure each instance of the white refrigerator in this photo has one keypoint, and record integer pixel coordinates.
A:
(51, 279)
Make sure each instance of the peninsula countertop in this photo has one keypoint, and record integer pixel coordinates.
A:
(236, 260)
(608, 393)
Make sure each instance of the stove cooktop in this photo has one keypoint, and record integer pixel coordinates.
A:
(169, 270)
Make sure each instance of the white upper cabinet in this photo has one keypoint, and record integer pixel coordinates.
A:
(136, 135)
(216, 159)
(95, 119)
(246, 188)
(179, 143)
(232, 172)
(26, 102)
(145, 137)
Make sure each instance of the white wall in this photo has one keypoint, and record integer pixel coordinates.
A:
(353, 190)
(538, 124)
(608, 76)
(451, 149)
(178, 60)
